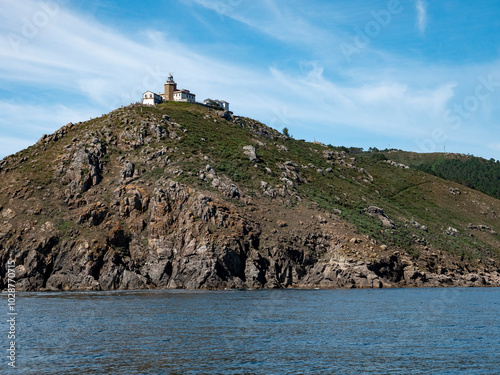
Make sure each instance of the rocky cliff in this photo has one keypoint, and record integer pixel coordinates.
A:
(184, 196)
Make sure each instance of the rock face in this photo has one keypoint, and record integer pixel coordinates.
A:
(113, 212)
(176, 237)
(85, 168)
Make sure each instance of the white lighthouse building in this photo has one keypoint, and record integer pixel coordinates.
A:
(171, 93)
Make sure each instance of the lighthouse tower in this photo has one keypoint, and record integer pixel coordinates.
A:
(170, 88)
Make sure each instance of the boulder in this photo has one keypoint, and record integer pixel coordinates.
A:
(379, 213)
(127, 170)
(250, 152)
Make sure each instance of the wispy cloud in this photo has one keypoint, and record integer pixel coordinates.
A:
(104, 64)
(421, 16)
(282, 21)
(22, 124)
(495, 146)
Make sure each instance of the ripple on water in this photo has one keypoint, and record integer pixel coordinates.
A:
(395, 331)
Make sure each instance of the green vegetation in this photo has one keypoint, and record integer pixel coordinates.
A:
(474, 172)
(64, 226)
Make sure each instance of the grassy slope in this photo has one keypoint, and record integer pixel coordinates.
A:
(405, 195)
(474, 172)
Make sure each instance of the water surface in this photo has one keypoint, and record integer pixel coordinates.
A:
(387, 331)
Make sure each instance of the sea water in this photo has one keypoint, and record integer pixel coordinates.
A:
(383, 331)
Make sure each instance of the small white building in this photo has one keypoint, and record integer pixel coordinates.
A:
(224, 105)
(150, 98)
(216, 102)
(184, 96)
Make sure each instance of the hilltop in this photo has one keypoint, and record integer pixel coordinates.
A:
(180, 195)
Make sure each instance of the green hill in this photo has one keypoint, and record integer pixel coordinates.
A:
(474, 172)
(185, 196)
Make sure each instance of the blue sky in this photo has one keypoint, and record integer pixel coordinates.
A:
(417, 75)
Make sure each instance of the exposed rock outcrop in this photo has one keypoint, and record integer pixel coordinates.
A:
(250, 152)
(176, 237)
(85, 168)
(379, 213)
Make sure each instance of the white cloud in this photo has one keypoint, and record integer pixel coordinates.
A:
(388, 107)
(495, 146)
(421, 15)
(105, 63)
(282, 21)
(11, 145)
(22, 124)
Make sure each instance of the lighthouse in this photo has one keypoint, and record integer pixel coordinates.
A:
(170, 88)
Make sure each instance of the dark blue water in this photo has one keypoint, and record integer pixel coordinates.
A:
(394, 331)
